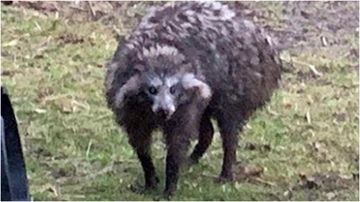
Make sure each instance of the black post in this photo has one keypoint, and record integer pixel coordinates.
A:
(14, 184)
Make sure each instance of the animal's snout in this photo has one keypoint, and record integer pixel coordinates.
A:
(164, 113)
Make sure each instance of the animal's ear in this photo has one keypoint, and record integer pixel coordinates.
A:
(189, 81)
(131, 86)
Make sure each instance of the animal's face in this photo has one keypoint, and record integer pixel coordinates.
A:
(165, 92)
(166, 87)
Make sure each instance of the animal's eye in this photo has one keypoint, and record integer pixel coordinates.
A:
(172, 89)
(152, 90)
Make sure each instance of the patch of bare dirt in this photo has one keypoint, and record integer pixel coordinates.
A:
(306, 24)
(297, 26)
(326, 184)
(80, 11)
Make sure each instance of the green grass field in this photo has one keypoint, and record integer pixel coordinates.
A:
(305, 140)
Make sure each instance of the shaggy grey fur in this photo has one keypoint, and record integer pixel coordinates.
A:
(185, 63)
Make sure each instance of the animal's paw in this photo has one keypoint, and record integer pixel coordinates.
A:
(140, 189)
(168, 194)
(169, 191)
(137, 189)
(224, 179)
(152, 183)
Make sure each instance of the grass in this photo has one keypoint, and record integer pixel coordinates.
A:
(74, 150)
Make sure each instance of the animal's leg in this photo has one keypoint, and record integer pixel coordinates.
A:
(176, 155)
(178, 133)
(206, 134)
(141, 142)
(228, 131)
(184, 124)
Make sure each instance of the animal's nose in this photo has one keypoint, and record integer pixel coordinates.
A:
(163, 113)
